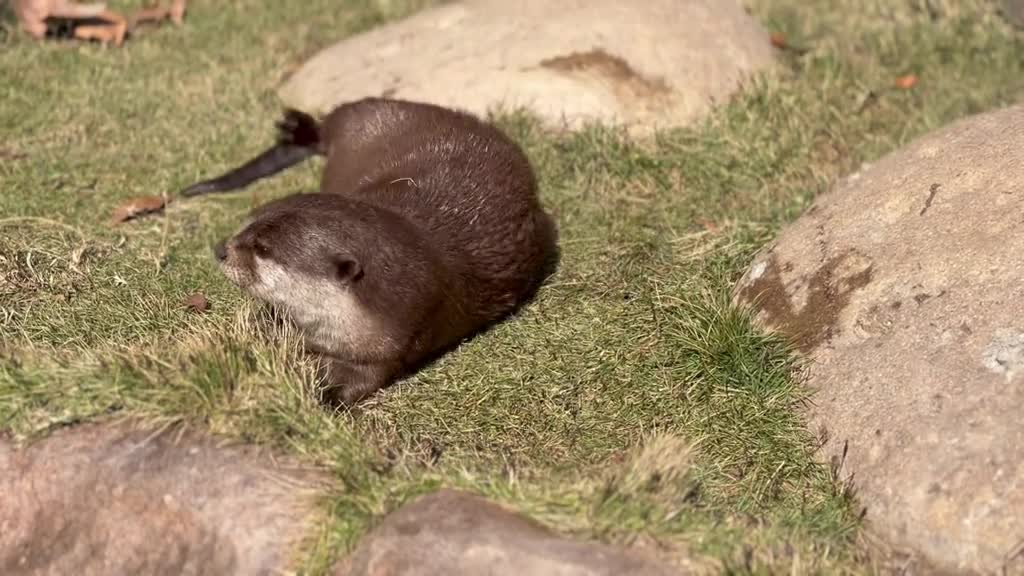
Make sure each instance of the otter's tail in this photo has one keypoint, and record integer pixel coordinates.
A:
(298, 138)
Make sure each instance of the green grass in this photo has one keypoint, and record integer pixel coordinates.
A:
(630, 402)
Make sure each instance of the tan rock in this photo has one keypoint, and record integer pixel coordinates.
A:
(450, 533)
(657, 62)
(905, 286)
(1014, 11)
(102, 500)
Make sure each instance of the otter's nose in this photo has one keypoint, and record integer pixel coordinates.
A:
(221, 250)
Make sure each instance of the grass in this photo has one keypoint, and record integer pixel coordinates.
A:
(631, 403)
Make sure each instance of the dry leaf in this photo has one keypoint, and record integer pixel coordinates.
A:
(197, 303)
(8, 154)
(906, 82)
(779, 40)
(137, 207)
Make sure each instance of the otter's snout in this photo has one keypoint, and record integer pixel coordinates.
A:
(235, 262)
(220, 251)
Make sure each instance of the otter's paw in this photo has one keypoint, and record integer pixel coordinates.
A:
(347, 383)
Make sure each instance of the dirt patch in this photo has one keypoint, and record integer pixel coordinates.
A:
(600, 64)
(815, 323)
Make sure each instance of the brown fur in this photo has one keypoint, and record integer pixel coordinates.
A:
(426, 231)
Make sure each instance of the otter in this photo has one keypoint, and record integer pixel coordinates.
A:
(426, 231)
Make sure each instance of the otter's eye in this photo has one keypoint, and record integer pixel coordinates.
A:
(260, 248)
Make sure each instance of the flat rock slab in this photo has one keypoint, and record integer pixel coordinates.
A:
(451, 533)
(103, 499)
(905, 286)
(650, 64)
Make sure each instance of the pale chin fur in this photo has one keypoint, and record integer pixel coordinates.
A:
(235, 275)
(328, 314)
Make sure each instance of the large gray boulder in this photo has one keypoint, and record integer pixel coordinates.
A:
(113, 499)
(655, 63)
(451, 533)
(905, 287)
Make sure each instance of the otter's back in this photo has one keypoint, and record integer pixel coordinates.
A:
(466, 185)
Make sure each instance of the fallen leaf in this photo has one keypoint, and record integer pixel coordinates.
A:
(779, 40)
(137, 207)
(8, 154)
(197, 303)
(906, 82)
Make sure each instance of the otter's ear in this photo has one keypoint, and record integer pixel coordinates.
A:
(347, 269)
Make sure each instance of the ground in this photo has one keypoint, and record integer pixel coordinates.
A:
(630, 402)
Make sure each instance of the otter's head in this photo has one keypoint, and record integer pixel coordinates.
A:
(303, 253)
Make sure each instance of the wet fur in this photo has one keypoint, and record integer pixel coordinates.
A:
(427, 230)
